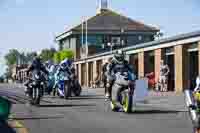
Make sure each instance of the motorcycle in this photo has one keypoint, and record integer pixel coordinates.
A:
(51, 82)
(125, 88)
(63, 85)
(192, 99)
(37, 87)
(75, 86)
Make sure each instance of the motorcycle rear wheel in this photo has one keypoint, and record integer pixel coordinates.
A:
(35, 97)
(77, 89)
(196, 130)
(113, 106)
(67, 90)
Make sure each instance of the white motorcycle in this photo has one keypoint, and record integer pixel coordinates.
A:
(192, 99)
(123, 88)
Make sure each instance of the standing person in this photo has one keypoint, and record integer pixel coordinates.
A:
(163, 78)
(104, 78)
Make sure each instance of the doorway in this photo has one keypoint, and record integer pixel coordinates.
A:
(83, 75)
(193, 68)
(169, 60)
(134, 62)
(149, 62)
(90, 74)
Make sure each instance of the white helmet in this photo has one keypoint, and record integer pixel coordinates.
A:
(119, 57)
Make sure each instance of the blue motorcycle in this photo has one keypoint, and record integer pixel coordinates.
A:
(51, 82)
(63, 85)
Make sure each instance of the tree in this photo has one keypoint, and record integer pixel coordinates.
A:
(61, 55)
(66, 54)
(30, 56)
(56, 57)
(47, 54)
(12, 57)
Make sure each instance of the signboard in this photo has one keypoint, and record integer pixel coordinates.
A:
(141, 90)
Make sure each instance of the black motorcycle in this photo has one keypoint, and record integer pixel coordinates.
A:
(37, 87)
(75, 85)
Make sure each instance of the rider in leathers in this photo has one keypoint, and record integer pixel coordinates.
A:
(35, 66)
(118, 64)
(65, 66)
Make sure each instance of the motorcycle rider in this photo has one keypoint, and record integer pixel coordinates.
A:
(65, 66)
(35, 66)
(118, 63)
(51, 79)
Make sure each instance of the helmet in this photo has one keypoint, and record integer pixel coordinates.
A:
(34, 54)
(63, 65)
(69, 63)
(48, 63)
(119, 56)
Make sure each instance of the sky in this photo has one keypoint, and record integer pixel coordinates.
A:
(32, 24)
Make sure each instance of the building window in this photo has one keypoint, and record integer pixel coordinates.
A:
(140, 38)
(96, 40)
(115, 41)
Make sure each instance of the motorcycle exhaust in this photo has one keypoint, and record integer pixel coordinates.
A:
(193, 115)
(190, 102)
(189, 98)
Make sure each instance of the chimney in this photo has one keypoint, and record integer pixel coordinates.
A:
(102, 6)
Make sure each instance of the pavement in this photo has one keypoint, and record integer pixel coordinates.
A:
(90, 113)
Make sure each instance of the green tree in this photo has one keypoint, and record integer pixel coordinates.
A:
(56, 57)
(47, 54)
(66, 54)
(61, 55)
(30, 56)
(12, 57)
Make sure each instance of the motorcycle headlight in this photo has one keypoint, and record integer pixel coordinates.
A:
(37, 76)
(34, 83)
(42, 83)
(108, 85)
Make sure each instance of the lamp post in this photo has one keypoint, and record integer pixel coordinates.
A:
(121, 39)
(86, 43)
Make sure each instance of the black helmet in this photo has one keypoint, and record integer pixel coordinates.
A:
(119, 56)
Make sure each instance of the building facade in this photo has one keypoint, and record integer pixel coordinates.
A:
(107, 28)
(181, 53)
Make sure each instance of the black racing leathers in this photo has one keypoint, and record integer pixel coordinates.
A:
(113, 68)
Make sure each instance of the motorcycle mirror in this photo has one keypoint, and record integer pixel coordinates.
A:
(5, 107)
(197, 81)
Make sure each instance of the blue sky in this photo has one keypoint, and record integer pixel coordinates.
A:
(32, 24)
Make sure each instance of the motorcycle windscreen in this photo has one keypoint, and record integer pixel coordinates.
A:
(5, 107)
(63, 76)
(141, 90)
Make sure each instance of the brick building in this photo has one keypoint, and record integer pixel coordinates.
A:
(181, 53)
(106, 27)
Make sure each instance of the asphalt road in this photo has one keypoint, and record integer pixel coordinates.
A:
(90, 113)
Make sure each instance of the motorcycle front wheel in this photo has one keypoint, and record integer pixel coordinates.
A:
(67, 89)
(35, 98)
(127, 102)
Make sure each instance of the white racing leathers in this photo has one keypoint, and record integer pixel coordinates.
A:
(114, 72)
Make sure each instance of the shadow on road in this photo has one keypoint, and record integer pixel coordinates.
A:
(5, 128)
(37, 118)
(67, 105)
(86, 98)
(155, 112)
